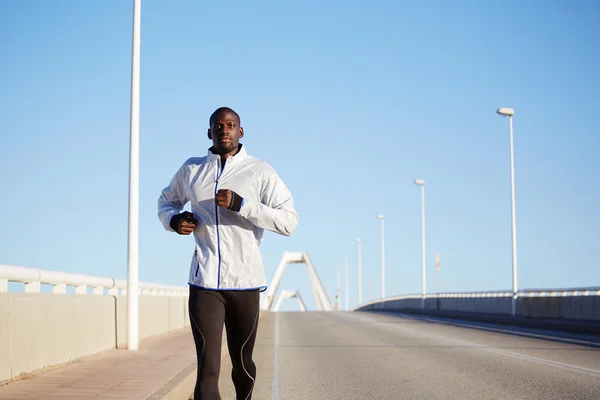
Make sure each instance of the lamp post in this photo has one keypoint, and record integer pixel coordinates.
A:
(346, 292)
(437, 273)
(338, 299)
(509, 112)
(359, 273)
(421, 182)
(134, 161)
(380, 217)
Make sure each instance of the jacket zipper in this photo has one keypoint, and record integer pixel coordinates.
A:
(219, 173)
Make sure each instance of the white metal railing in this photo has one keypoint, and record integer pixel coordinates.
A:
(33, 278)
(567, 292)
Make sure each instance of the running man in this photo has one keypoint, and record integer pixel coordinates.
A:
(234, 197)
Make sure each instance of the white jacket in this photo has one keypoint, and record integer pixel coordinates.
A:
(226, 252)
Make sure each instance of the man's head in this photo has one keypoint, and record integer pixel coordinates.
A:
(225, 131)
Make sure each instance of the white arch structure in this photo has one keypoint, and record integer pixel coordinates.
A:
(289, 294)
(323, 302)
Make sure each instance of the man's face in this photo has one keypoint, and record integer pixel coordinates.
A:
(225, 133)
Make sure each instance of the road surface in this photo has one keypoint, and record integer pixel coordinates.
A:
(334, 356)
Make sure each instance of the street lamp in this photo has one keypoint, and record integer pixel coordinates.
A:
(134, 178)
(346, 292)
(509, 112)
(380, 217)
(338, 300)
(421, 182)
(359, 273)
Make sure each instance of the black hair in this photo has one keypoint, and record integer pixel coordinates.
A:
(218, 111)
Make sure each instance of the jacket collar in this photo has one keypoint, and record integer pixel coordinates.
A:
(239, 156)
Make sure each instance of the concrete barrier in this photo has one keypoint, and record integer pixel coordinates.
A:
(155, 316)
(41, 331)
(578, 311)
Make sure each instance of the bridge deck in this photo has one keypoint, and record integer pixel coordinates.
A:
(325, 355)
(152, 371)
(328, 355)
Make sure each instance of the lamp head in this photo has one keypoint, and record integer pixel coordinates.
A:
(380, 216)
(506, 111)
(419, 182)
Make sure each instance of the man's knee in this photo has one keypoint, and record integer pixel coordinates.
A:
(244, 364)
(209, 371)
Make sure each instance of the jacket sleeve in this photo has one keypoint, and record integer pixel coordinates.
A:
(172, 200)
(275, 211)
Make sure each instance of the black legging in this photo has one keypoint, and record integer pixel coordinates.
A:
(239, 310)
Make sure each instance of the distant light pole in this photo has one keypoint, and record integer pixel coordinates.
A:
(510, 112)
(380, 217)
(338, 299)
(437, 273)
(134, 178)
(421, 182)
(359, 273)
(347, 293)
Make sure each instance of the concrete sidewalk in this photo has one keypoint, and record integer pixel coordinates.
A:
(164, 367)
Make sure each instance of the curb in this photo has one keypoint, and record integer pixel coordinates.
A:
(178, 387)
(181, 386)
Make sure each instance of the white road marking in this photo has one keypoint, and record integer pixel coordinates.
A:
(276, 394)
(486, 327)
(506, 353)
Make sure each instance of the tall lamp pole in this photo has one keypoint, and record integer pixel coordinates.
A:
(509, 112)
(338, 299)
(359, 273)
(346, 292)
(134, 160)
(437, 273)
(421, 182)
(380, 217)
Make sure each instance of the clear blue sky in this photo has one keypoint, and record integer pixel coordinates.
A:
(348, 100)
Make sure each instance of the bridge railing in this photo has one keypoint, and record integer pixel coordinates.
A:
(558, 304)
(33, 278)
(41, 329)
(559, 292)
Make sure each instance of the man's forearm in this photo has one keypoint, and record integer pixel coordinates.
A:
(166, 211)
(281, 220)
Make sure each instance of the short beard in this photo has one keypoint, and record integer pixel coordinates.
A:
(224, 148)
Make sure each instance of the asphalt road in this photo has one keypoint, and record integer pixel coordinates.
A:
(367, 356)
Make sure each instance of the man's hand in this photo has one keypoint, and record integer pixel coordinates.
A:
(223, 198)
(184, 223)
(228, 199)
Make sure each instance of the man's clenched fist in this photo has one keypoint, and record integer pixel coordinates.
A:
(223, 198)
(228, 199)
(184, 223)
